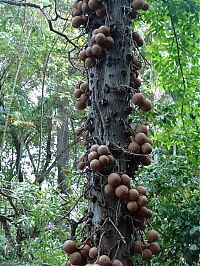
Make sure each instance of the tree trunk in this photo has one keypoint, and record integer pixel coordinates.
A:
(18, 147)
(109, 89)
(62, 144)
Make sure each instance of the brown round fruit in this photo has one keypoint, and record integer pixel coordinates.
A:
(109, 190)
(82, 158)
(114, 179)
(152, 236)
(138, 99)
(146, 105)
(133, 194)
(100, 38)
(79, 4)
(146, 148)
(76, 258)
(76, 12)
(137, 83)
(140, 42)
(81, 165)
(142, 190)
(135, 36)
(136, 64)
(100, 12)
(80, 105)
(121, 191)
(84, 87)
(132, 206)
(94, 147)
(145, 6)
(96, 31)
(97, 51)
(103, 150)
(137, 4)
(111, 159)
(93, 4)
(78, 84)
(137, 247)
(82, 55)
(77, 93)
(154, 247)
(84, 250)
(104, 160)
(134, 147)
(69, 246)
(141, 128)
(142, 212)
(125, 180)
(142, 201)
(93, 39)
(77, 21)
(85, 8)
(93, 252)
(93, 155)
(147, 254)
(104, 260)
(145, 160)
(149, 213)
(89, 62)
(109, 42)
(105, 30)
(140, 138)
(83, 98)
(116, 263)
(88, 51)
(95, 165)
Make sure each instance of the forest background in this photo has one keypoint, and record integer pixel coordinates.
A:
(39, 181)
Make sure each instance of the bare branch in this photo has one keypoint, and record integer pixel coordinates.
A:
(10, 199)
(24, 4)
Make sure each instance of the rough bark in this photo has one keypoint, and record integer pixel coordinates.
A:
(109, 83)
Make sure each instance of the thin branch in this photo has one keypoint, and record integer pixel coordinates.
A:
(10, 199)
(40, 178)
(31, 158)
(56, 31)
(4, 217)
(42, 101)
(24, 4)
(122, 238)
(180, 65)
(42, 10)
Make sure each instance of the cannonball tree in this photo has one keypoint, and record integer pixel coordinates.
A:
(117, 221)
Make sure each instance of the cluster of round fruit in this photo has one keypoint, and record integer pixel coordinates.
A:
(141, 144)
(143, 103)
(118, 185)
(78, 255)
(99, 157)
(140, 5)
(134, 198)
(80, 94)
(148, 249)
(136, 65)
(87, 6)
(100, 40)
